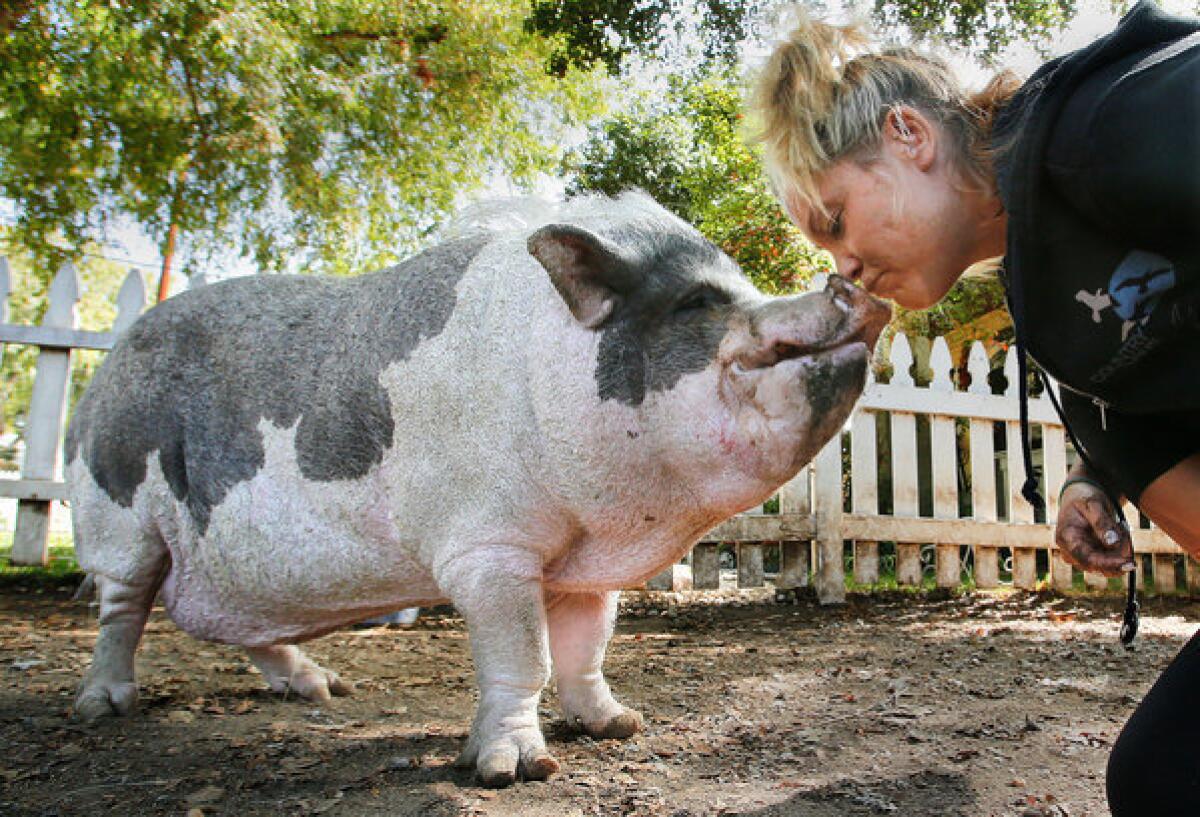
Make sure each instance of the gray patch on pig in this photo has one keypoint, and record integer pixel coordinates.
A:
(194, 377)
(828, 384)
(650, 342)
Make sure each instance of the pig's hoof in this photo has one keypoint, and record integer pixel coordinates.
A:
(499, 763)
(318, 686)
(310, 681)
(98, 699)
(623, 725)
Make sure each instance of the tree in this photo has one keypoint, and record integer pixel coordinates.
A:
(610, 31)
(985, 29)
(687, 148)
(328, 133)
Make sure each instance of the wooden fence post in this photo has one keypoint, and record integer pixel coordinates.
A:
(905, 489)
(750, 564)
(1192, 575)
(1019, 511)
(1054, 469)
(706, 566)
(1163, 569)
(944, 451)
(864, 490)
(795, 499)
(827, 510)
(983, 470)
(43, 433)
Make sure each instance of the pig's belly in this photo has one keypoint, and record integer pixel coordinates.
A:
(285, 560)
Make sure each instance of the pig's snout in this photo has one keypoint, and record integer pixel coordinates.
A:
(790, 328)
(867, 314)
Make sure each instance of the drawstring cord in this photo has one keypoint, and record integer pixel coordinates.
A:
(1029, 490)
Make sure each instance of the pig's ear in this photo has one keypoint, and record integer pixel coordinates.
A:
(589, 272)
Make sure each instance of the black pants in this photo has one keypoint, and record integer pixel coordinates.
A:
(1154, 768)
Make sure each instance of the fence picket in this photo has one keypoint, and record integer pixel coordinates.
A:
(43, 433)
(1054, 459)
(944, 455)
(983, 469)
(827, 509)
(795, 498)
(706, 566)
(1024, 560)
(131, 300)
(864, 490)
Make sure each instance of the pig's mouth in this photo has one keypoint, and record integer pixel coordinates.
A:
(785, 350)
(848, 326)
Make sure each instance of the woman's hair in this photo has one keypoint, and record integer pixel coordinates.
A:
(823, 96)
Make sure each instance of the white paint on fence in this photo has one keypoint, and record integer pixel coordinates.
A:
(982, 529)
(40, 487)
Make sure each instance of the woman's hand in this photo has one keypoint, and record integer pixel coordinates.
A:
(1088, 534)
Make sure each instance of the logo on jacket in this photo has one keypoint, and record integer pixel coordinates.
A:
(1133, 290)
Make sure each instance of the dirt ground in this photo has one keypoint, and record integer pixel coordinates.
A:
(979, 705)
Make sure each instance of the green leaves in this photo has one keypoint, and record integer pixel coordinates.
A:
(688, 149)
(326, 133)
(984, 28)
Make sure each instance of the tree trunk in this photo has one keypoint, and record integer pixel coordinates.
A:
(164, 278)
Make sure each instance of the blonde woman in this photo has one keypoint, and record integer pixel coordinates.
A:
(1086, 179)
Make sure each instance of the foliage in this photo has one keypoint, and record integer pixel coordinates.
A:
(970, 298)
(329, 131)
(687, 148)
(984, 28)
(607, 32)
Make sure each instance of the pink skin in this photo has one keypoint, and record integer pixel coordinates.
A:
(903, 222)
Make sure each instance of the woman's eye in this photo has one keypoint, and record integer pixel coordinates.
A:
(835, 225)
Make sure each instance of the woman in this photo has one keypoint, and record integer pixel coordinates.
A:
(1086, 179)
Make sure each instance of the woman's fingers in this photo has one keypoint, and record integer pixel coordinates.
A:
(1090, 535)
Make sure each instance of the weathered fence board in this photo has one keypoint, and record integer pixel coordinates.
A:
(41, 484)
(43, 432)
(795, 555)
(827, 513)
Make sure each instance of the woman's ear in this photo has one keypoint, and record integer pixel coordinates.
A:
(912, 135)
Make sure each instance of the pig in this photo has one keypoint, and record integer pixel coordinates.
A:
(520, 421)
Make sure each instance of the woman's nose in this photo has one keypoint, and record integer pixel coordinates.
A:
(848, 266)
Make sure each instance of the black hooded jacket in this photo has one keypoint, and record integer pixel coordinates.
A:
(1099, 170)
(1098, 163)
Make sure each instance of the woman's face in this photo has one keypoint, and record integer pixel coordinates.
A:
(901, 223)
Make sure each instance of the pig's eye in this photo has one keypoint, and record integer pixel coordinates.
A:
(701, 299)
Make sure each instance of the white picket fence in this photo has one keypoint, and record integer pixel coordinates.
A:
(988, 530)
(819, 519)
(40, 485)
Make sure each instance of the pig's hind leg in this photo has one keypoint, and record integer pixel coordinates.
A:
(581, 625)
(287, 669)
(109, 686)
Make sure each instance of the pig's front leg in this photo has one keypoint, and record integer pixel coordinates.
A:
(581, 625)
(499, 593)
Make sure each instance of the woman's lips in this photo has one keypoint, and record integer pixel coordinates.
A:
(870, 280)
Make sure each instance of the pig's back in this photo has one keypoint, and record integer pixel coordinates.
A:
(195, 377)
